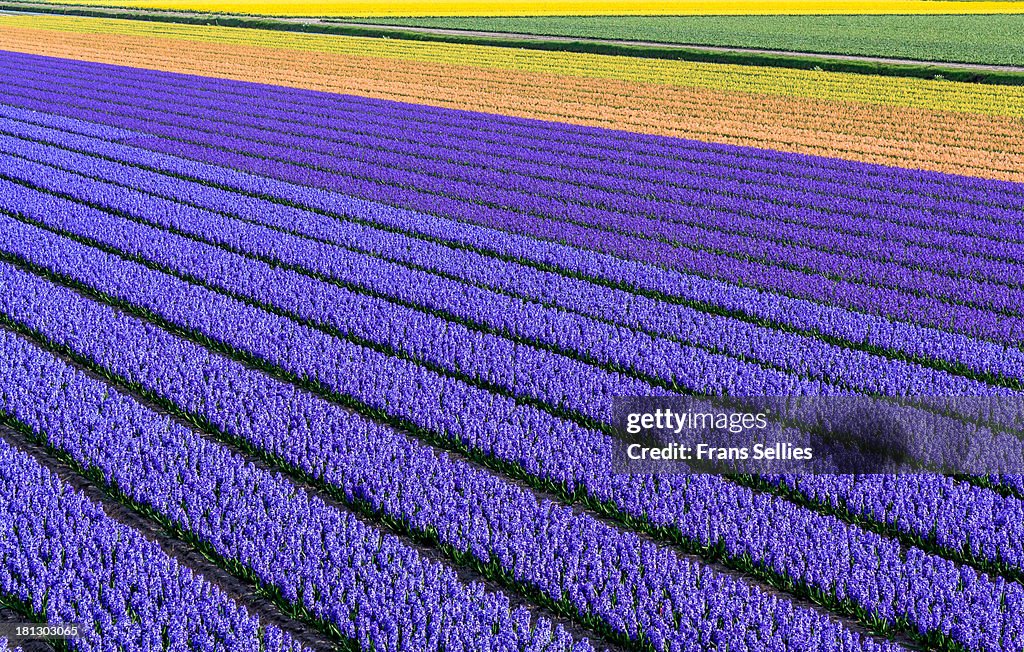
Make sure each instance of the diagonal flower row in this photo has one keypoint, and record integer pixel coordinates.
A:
(559, 451)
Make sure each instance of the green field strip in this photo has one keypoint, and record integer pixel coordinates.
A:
(982, 39)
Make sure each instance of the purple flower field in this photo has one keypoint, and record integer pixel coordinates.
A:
(352, 362)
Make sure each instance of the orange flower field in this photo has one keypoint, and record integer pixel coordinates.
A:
(964, 141)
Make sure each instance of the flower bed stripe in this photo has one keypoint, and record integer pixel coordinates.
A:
(877, 134)
(368, 585)
(63, 556)
(997, 364)
(562, 457)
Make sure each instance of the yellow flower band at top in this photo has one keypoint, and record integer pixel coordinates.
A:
(568, 7)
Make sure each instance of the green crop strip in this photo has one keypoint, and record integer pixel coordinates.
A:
(981, 39)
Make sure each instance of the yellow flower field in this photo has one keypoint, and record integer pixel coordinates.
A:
(568, 7)
(867, 89)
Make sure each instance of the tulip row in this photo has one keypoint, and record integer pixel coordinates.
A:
(805, 355)
(570, 457)
(366, 317)
(457, 199)
(611, 577)
(371, 587)
(63, 555)
(630, 214)
(532, 150)
(444, 343)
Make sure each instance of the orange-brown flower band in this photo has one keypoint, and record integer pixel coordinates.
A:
(961, 142)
